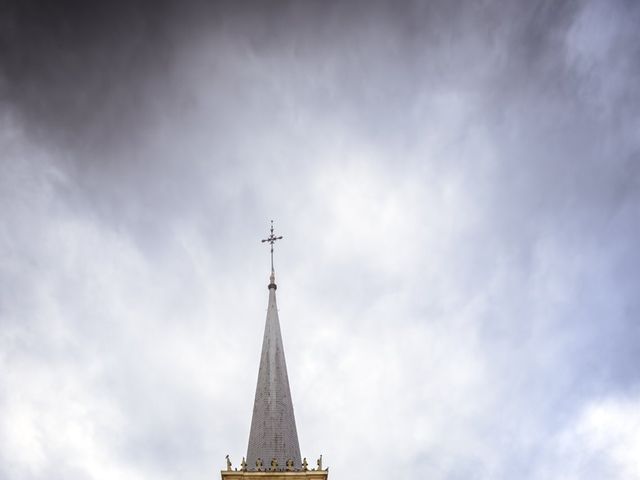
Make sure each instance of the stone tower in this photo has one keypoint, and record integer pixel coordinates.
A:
(273, 449)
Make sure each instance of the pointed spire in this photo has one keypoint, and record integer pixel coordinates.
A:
(273, 427)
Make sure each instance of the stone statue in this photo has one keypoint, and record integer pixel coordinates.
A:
(289, 465)
(259, 464)
(243, 465)
(228, 463)
(305, 465)
(274, 464)
(319, 462)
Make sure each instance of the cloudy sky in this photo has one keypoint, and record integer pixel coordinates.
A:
(458, 185)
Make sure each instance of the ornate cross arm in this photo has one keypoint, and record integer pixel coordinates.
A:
(271, 239)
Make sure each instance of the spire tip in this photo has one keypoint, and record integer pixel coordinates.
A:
(271, 239)
(272, 281)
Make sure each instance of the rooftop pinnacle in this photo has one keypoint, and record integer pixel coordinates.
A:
(273, 427)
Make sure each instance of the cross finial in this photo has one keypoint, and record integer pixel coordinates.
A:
(272, 239)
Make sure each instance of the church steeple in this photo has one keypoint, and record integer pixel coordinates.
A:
(273, 426)
(273, 449)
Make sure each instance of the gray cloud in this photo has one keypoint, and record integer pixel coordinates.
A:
(458, 189)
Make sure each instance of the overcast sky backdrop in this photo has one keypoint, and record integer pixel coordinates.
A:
(458, 186)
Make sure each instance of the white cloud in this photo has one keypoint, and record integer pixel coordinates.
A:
(602, 442)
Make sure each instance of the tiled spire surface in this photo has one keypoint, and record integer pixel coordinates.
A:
(273, 425)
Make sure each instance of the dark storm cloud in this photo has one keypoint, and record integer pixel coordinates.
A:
(87, 70)
(66, 63)
(96, 77)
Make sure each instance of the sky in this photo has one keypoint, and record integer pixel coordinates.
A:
(458, 187)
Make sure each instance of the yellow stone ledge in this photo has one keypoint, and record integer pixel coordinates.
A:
(300, 475)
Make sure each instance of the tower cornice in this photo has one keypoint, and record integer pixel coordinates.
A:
(308, 475)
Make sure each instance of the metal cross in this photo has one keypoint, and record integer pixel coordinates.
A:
(272, 239)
